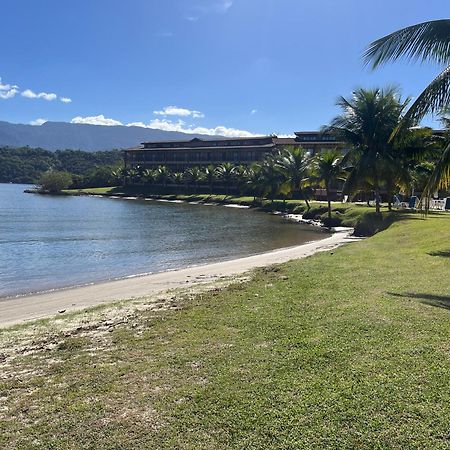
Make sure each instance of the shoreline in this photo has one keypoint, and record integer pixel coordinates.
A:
(18, 310)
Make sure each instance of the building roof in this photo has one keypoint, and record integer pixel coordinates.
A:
(217, 147)
(208, 139)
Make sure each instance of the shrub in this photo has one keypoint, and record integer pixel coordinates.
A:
(330, 222)
(54, 181)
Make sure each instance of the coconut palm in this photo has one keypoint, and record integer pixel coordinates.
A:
(163, 175)
(426, 42)
(440, 176)
(192, 176)
(148, 176)
(226, 174)
(210, 176)
(255, 181)
(131, 175)
(295, 165)
(367, 122)
(177, 178)
(327, 170)
(118, 175)
(274, 180)
(242, 173)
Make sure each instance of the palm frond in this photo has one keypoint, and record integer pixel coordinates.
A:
(433, 99)
(440, 178)
(424, 41)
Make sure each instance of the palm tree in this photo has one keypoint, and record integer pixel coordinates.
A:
(118, 175)
(177, 178)
(327, 169)
(273, 179)
(242, 174)
(226, 173)
(440, 176)
(367, 122)
(295, 165)
(426, 42)
(148, 176)
(193, 175)
(163, 175)
(210, 175)
(255, 181)
(132, 175)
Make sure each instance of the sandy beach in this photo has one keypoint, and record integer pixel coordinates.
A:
(36, 306)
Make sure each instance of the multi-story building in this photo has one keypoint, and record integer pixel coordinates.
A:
(178, 155)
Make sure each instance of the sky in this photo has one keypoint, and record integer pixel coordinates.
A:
(228, 67)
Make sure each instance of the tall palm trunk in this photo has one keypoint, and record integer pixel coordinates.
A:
(377, 199)
(328, 199)
(304, 198)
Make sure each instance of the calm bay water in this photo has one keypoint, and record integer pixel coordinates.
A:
(50, 242)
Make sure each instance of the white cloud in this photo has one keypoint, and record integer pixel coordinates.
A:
(8, 91)
(167, 125)
(182, 127)
(253, 112)
(181, 112)
(192, 18)
(96, 120)
(28, 93)
(38, 122)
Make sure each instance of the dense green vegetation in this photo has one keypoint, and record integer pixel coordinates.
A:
(346, 349)
(26, 165)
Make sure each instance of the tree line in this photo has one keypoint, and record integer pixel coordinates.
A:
(382, 161)
(27, 165)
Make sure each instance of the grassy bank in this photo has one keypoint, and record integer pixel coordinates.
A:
(346, 349)
(360, 217)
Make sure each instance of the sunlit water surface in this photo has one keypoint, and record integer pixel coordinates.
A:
(49, 242)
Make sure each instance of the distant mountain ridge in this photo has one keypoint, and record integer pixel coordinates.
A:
(63, 135)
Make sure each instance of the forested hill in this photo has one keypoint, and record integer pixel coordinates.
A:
(26, 165)
(62, 135)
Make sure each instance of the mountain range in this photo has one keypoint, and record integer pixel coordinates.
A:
(62, 135)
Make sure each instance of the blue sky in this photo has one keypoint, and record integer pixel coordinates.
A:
(262, 66)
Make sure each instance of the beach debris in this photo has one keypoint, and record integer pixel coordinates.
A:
(61, 311)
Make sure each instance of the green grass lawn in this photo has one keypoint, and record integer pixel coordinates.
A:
(347, 349)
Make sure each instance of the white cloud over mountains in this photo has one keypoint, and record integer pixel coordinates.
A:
(38, 122)
(8, 91)
(96, 120)
(181, 126)
(166, 125)
(181, 112)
